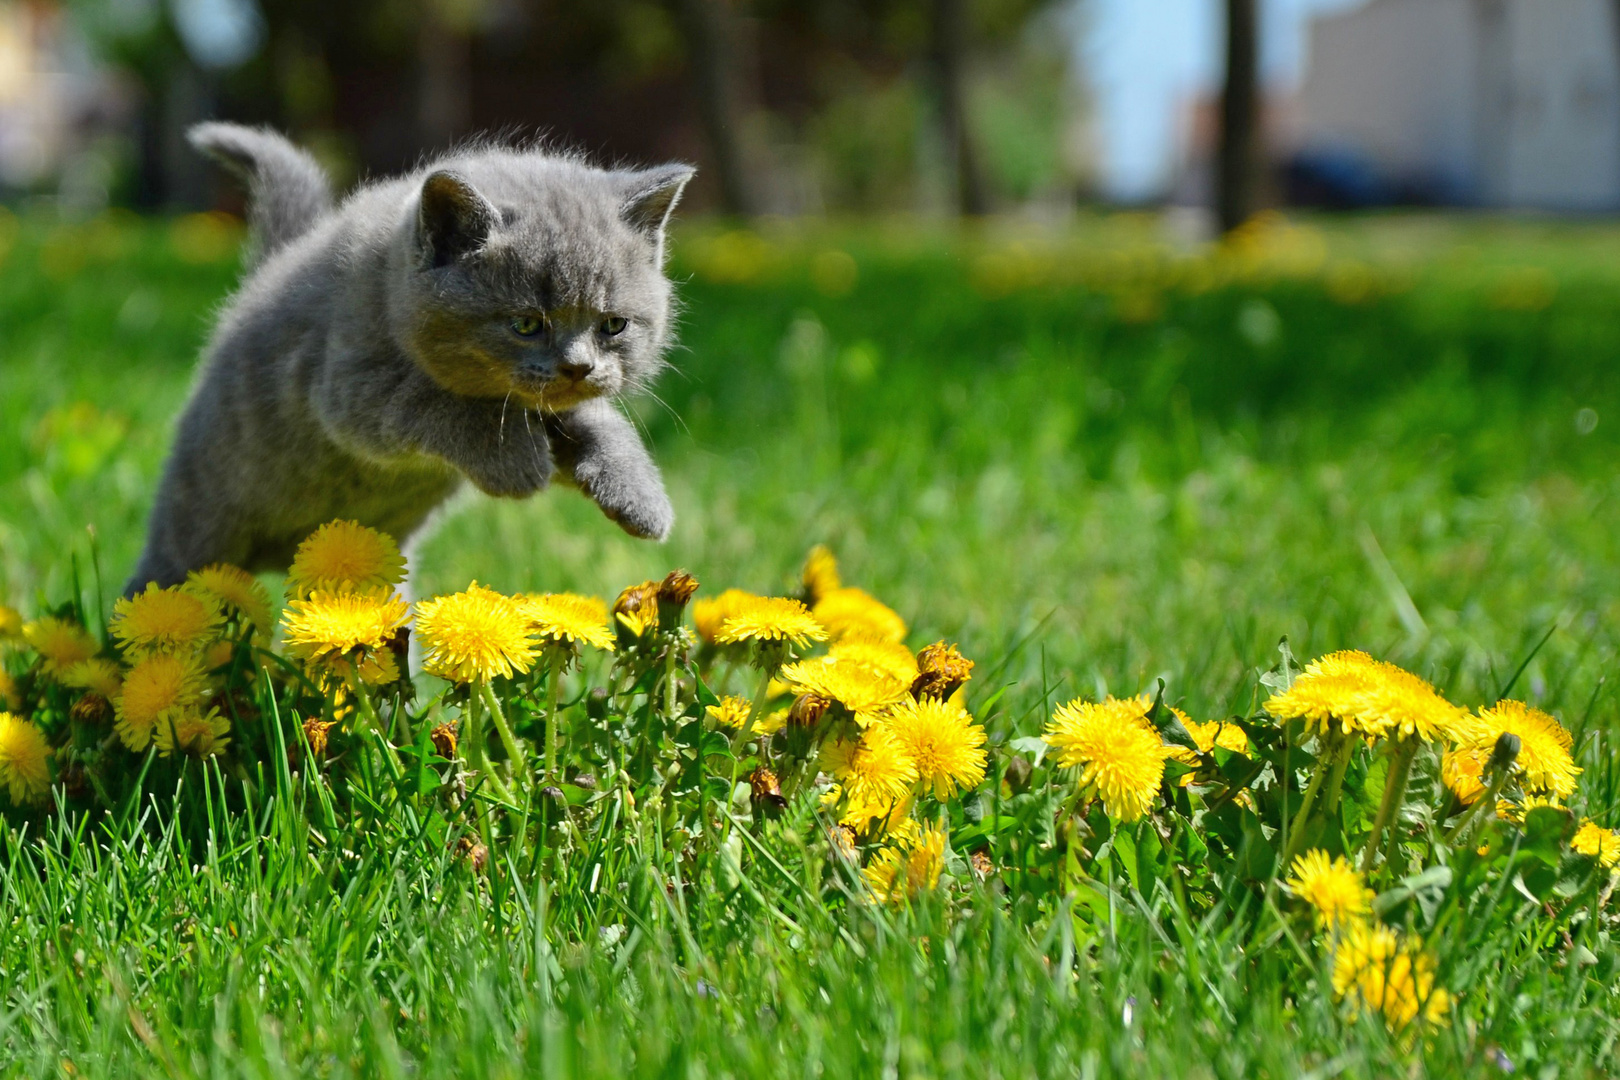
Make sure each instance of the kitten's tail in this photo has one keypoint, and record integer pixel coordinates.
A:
(287, 190)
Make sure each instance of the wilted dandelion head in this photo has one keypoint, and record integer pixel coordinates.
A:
(1374, 970)
(943, 742)
(892, 658)
(862, 690)
(474, 635)
(343, 555)
(941, 671)
(770, 618)
(60, 643)
(709, 615)
(193, 733)
(854, 612)
(235, 589)
(25, 767)
(330, 624)
(1544, 764)
(165, 620)
(820, 574)
(904, 869)
(97, 675)
(568, 619)
(158, 686)
(1118, 753)
(1599, 843)
(1331, 886)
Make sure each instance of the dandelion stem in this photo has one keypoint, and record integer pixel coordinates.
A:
(1296, 831)
(370, 712)
(480, 756)
(553, 721)
(1341, 761)
(1463, 832)
(1400, 767)
(487, 692)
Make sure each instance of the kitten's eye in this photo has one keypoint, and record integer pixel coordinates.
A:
(614, 325)
(528, 326)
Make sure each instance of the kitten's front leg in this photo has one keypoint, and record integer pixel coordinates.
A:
(597, 448)
(499, 445)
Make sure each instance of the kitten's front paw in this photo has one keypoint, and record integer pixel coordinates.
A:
(631, 496)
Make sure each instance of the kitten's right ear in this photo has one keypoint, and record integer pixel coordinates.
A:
(454, 219)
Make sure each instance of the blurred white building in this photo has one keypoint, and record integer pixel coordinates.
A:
(1510, 103)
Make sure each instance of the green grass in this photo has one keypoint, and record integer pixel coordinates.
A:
(1090, 460)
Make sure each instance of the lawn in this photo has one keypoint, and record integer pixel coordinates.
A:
(1093, 459)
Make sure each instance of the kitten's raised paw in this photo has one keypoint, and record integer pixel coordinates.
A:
(648, 515)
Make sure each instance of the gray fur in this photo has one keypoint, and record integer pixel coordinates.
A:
(288, 191)
(368, 365)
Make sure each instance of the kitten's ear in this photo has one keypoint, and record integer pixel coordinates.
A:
(454, 219)
(650, 196)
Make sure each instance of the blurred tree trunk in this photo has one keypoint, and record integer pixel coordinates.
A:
(444, 78)
(1237, 167)
(950, 30)
(719, 56)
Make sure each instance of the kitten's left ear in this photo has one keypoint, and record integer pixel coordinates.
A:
(650, 196)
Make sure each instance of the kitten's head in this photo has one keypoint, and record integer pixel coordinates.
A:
(539, 277)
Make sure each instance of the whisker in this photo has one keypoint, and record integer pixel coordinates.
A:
(500, 433)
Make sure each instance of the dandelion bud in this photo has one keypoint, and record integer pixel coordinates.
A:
(807, 710)
(941, 671)
(315, 731)
(92, 709)
(444, 740)
(76, 782)
(636, 609)
(1506, 751)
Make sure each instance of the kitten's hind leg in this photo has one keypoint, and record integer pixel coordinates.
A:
(598, 449)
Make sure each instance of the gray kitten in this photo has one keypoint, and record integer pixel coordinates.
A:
(473, 319)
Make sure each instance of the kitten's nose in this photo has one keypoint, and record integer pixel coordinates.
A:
(576, 367)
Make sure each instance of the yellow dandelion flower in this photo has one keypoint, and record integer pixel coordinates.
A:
(892, 658)
(1374, 970)
(60, 643)
(165, 620)
(1217, 733)
(732, 712)
(820, 574)
(1332, 886)
(874, 768)
(903, 870)
(1509, 810)
(474, 635)
(157, 687)
(1370, 698)
(1544, 764)
(1600, 843)
(943, 742)
(25, 767)
(770, 618)
(848, 611)
(192, 732)
(343, 555)
(862, 690)
(566, 618)
(98, 675)
(330, 624)
(709, 615)
(1119, 754)
(218, 655)
(235, 589)
(11, 623)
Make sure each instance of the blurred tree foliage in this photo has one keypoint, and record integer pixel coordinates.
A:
(786, 105)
